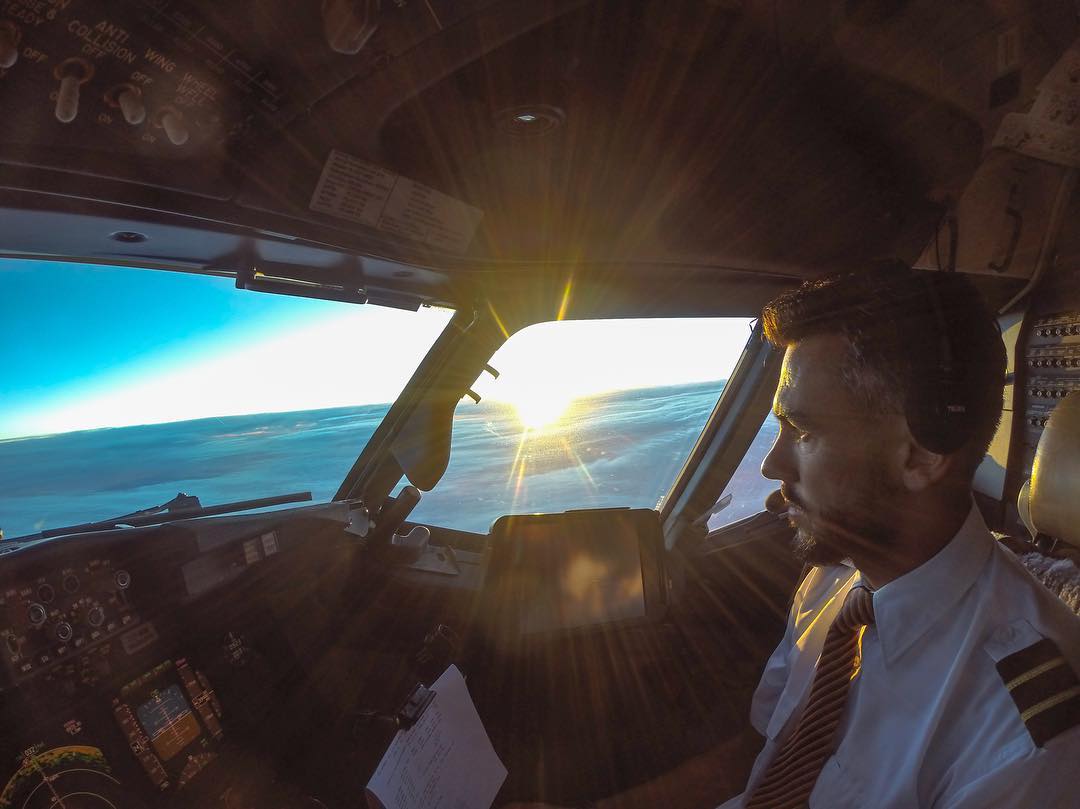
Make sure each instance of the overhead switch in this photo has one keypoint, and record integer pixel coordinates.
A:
(131, 105)
(349, 24)
(9, 44)
(176, 128)
(73, 74)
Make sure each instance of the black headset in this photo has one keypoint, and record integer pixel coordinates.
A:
(937, 409)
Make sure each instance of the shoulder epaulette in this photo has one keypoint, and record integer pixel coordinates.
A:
(1045, 689)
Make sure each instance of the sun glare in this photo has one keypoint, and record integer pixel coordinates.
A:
(537, 411)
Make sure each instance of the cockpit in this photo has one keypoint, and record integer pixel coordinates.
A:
(350, 344)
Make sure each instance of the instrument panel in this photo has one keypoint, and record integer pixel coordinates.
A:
(242, 662)
(170, 718)
(146, 667)
(67, 620)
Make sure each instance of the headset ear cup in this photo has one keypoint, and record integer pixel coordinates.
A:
(939, 420)
(937, 412)
(952, 417)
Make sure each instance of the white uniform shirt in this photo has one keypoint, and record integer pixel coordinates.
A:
(929, 722)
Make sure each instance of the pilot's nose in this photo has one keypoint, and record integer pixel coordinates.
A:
(779, 464)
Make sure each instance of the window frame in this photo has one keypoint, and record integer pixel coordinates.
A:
(727, 436)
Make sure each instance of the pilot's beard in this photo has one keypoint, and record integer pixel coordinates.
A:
(828, 537)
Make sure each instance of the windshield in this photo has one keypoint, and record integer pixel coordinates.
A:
(586, 414)
(122, 387)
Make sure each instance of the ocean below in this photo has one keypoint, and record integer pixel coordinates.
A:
(617, 449)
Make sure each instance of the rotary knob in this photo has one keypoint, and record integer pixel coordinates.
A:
(96, 616)
(36, 614)
(64, 632)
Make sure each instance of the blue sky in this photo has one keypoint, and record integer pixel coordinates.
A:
(85, 346)
(81, 318)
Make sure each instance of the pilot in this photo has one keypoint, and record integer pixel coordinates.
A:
(922, 666)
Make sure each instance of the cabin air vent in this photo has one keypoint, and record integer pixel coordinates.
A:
(128, 237)
(529, 120)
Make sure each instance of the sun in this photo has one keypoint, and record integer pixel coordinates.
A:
(537, 411)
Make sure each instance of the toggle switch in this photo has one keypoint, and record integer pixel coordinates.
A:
(9, 44)
(73, 73)
(176, 128)
(130, 101)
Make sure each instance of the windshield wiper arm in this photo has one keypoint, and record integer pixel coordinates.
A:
(183, 506)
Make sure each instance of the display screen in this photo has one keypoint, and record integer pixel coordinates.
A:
(567, 572)
(169, 721)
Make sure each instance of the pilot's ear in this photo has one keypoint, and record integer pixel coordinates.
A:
(923, 468)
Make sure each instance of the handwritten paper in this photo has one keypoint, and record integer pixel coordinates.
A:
(444, 761)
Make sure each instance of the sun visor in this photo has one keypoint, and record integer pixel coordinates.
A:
(423, 447)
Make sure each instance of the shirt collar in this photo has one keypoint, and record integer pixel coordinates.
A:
(905, 608)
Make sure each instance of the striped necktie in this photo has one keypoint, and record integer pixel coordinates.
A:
(791, 776)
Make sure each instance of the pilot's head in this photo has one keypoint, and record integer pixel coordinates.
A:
(889, 396)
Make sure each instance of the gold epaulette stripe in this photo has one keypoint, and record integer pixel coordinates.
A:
(1035, 672)
(1047, 704)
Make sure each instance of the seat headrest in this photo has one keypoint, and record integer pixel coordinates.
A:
(1054, 501)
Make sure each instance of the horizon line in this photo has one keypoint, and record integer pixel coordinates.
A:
(4, 439)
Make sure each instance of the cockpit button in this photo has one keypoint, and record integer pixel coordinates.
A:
(70, 583)
(123, 579)
(64, 632)
(95, 617)
(36, 614)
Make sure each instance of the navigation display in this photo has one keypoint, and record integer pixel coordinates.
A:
(172, 720)
(566, 571)
(169, 721)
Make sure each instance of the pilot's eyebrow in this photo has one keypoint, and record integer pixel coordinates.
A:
(793, 416)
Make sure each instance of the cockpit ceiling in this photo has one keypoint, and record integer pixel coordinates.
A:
(645, 138)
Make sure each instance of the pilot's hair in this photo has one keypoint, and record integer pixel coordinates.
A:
(922, 344)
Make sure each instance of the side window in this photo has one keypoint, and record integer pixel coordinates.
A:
(748, 487)
(584, 414)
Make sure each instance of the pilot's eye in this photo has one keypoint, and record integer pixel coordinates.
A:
(798, 434)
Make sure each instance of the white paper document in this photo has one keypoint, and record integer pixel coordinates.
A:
(444, 761)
